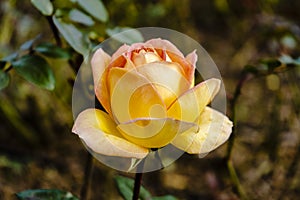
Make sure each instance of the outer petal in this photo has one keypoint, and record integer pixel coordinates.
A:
(99, 62)
(187, 67)
(153, 133)
(122, 50)
(167, 78)
(214, 130)
(189, 105)
(133, 96)
(99, 133)
(192, 58)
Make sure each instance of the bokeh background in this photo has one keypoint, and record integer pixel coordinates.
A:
(38, 150)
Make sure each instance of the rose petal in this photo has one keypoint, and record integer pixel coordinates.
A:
(187, 67)
(167, 78)
(99, 62)
(143, 57)
(99, 133)
(189, 105)
(123, 49)
(214, 130)
(153, 133)
(160, 44)
(192, 58)
(133, 96)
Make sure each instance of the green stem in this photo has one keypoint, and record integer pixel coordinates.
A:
(138, 181)
(234, 177)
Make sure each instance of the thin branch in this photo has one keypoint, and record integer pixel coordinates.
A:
(138, 181)
(54, 31)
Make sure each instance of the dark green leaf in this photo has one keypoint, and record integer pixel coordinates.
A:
(4, 80)
(271, 63)
(250, 69)
(75, 38)
(35, 69)
(95, 8)
(44, 6)
(45, 194)
(125, 186)
(125, 35)
(53, 51)
(77, 16)
(167, 197)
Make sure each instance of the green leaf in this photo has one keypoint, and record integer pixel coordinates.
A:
(36, 70)
(75, 38)
(45, 194)
(125, 35)
(4, 80)
(125, 186)
(167, 197)
(44, 6)
(77, 16)
(53, 51)
(95, 8)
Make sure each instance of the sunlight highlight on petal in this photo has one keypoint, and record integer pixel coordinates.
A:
(153, 133)
(189, 105)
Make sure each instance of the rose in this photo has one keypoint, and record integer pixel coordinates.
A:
(148, 92)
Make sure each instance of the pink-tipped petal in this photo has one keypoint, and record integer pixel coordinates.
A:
(192, 58)
(99, 62)
(161, 44)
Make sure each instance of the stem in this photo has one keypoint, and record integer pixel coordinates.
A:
(235, 179)
(232, 172)
(54, 31)
(87, 177)
(138, 181)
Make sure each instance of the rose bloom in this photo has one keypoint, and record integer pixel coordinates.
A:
(148, 93)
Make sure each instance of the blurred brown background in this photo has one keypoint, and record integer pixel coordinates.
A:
(38, 150)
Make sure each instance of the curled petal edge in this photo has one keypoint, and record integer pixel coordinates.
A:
(99, 133)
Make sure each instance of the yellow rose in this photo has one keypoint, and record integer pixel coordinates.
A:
(148, 92)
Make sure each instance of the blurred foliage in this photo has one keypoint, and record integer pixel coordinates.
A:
(255, 44)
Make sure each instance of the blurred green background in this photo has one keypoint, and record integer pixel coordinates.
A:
(38, 150)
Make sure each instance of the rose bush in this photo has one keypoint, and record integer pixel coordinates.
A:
(148, 93)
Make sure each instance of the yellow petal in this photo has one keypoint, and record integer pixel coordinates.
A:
(214, 130)
(100, 62)
(189, 105)
(143, 57)
(133, 96)
(99, 133)
(168, 79)
(153, 133)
